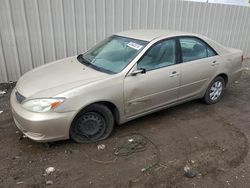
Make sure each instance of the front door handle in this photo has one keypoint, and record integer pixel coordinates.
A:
(173, 74)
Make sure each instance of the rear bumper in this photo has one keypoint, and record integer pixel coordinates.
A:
(41, 127)
(234, 76)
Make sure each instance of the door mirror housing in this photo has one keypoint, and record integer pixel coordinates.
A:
(138, 71)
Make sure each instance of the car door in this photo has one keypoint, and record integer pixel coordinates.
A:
(159, 84)
(199, 64)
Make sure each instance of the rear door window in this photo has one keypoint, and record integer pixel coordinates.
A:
(194, 49)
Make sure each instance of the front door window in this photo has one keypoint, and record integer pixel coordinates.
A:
(160, 55)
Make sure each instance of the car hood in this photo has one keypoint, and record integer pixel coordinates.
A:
(56, 77)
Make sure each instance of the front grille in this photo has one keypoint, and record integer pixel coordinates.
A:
(20, 98)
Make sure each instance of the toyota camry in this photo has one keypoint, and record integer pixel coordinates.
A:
(126, 76)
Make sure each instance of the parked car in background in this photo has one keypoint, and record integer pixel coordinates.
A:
(126, 76)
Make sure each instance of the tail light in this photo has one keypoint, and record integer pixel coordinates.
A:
(242, 58)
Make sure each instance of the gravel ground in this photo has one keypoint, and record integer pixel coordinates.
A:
(213, 141)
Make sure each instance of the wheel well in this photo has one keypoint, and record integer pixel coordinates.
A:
(225, 77)
(111, 107)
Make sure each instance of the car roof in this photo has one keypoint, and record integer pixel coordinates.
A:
(150, 34)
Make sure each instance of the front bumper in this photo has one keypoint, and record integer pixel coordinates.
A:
(41, 127)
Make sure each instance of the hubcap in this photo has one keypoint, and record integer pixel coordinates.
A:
(215, 90)
(91, 125)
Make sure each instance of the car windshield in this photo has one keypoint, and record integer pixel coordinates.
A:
(113, 54)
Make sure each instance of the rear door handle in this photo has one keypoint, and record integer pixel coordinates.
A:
(214, 63)
(173, 74)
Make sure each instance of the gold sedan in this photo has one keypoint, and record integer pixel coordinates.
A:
(126, 76)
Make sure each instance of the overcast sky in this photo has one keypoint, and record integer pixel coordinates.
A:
(237, 2)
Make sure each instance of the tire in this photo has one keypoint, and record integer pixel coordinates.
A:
(217, 85)
(93, 124)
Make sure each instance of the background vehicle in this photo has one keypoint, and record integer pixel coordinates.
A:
(128, 75)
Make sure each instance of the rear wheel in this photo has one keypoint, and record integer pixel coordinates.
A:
(94, 123)
(215, 91)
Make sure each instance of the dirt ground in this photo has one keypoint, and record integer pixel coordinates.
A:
(213, 141)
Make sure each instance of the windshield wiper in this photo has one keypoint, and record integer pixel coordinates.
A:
(82, 60)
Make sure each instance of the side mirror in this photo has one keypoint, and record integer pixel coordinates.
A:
(138, 71)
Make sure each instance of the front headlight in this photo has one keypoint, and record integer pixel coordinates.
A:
(42, 105)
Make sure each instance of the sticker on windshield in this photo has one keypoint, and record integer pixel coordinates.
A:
(134, 45)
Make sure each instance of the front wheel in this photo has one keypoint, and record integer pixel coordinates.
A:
(94, 123)
(215, 91)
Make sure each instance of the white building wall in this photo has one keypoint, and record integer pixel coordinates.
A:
(35, 32)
